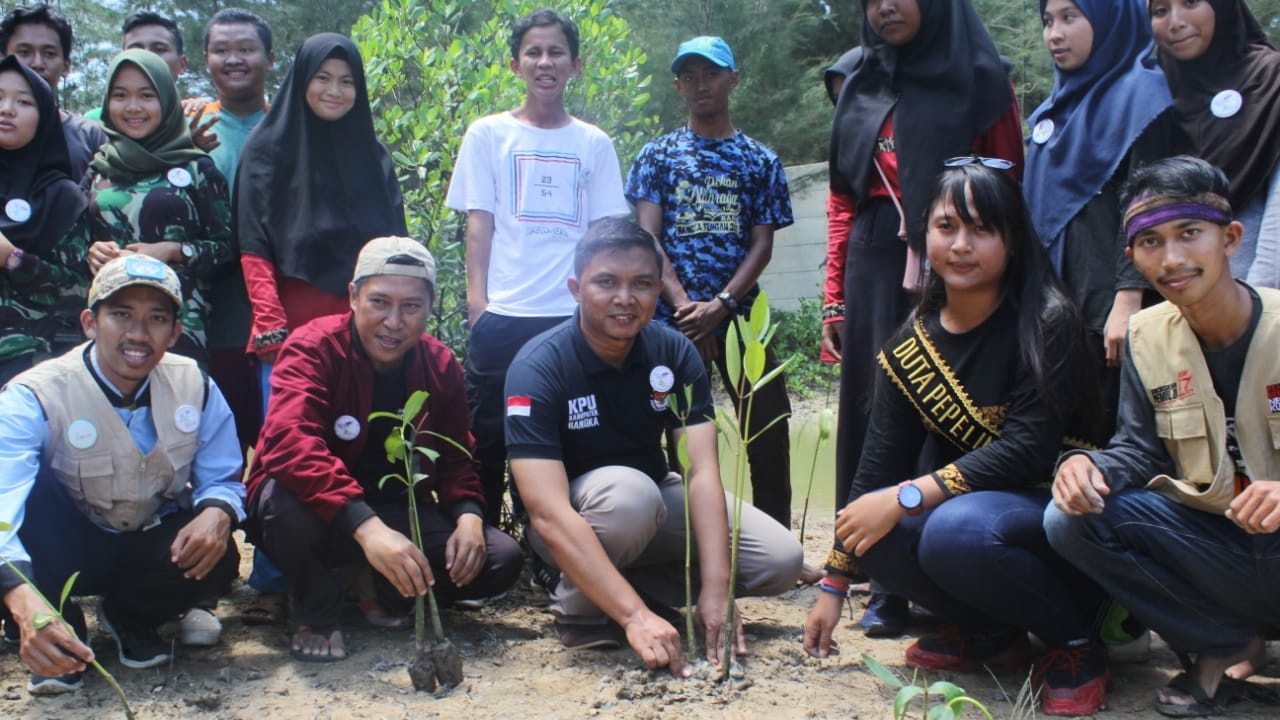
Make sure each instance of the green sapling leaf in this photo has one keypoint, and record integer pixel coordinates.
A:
(884, 674)
(682, 451)
(5, 527)
(391, 476)
(903, 699)
(414, 405)
(760, 316)
(753, 361)
(941, 712)
(948, 690)
(826, 422)
(427, 452)
(66, 590)
(40, 619)
(733, 353)
(394, 445)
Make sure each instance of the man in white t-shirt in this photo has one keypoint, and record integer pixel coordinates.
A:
(530, 181)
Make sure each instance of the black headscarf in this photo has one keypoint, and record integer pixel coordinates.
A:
(1247, 145)
(945, 88)
(310, 193)
(39, 174)
(840, 69)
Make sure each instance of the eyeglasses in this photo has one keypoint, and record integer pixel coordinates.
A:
(993, 163)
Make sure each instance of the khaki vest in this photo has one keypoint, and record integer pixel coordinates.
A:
(1189, 415)
(91, 453)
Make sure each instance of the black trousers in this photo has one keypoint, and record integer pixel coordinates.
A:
(306, 549)
(140, 586)
(495, 340)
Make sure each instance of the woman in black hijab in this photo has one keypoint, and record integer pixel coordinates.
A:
(314, 185)
(930, 86)
(43, 235)
(1225, 78)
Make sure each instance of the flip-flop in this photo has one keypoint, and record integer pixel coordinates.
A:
(1204, 705)
(1245, 690)
(325, 631)
(267, 609)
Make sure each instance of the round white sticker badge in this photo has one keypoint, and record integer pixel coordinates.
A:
(18, 210)
(662, 379)
(1226, 104)
(1042, 131)
(179, 177)
(82, 434)
(346, 427)
(187, 418)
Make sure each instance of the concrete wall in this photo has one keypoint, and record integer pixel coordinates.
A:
(798, 267)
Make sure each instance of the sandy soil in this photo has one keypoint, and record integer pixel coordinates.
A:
(515, 668)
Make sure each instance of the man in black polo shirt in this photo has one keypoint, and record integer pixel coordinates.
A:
(587, 404)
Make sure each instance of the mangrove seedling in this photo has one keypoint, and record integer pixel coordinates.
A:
(441, 662)
(682, 454)
(745, 351)
(42, 619)
(952, 700)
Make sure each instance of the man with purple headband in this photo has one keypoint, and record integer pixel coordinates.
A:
(1177, 518)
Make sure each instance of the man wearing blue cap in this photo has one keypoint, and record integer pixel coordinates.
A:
(714, 197)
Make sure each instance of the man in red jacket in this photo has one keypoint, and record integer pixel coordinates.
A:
(315, 501)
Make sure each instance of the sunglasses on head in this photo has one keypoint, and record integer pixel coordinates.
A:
(993, 163)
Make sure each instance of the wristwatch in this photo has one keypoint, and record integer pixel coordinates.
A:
(188, 252)
(910, 498)
(729, 301)
(14, 261)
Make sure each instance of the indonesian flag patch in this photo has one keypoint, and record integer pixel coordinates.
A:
(518, 405)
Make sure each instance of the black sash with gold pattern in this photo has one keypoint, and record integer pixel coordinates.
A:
(921, 373)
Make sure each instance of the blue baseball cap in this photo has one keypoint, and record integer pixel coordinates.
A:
(714, 49)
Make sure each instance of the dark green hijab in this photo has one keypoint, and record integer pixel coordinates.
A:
(129, 160)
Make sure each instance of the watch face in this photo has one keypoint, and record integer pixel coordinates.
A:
(910, 497)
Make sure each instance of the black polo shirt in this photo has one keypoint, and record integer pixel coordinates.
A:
(565, 403)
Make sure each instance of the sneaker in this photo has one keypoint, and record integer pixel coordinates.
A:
(886, 616)
(1137, 650)
(953, 649)
(45, 685)
(1073, 680)
(200, 628)
(543, 575)
(138, 649)
(582, 636)
(477, 603)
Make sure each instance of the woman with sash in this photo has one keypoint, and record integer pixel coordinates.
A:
(152, 191)
(1225, 78)
(42, 230)
(930, 85)
(983, 383)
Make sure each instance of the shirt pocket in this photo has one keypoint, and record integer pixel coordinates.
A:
(1182, 423)
(87, 478)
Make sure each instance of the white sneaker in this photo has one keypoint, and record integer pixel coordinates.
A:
(1137, 650)
(199, 627)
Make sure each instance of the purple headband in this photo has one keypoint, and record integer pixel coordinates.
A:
(1148, 212)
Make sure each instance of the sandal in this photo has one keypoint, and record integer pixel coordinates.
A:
(1204, 705)
(1245, 690)
(334, 649)
(267, 609)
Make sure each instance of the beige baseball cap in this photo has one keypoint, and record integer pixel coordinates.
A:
(133, 269)
(395, 256)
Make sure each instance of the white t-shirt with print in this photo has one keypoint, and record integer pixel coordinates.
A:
(543, 187)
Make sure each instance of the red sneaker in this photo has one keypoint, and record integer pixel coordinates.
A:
(958, 651)
(1073, 680)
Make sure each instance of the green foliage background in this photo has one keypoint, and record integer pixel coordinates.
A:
(436, 65)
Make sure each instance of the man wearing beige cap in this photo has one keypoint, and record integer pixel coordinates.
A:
(315, 501)
(120, 462)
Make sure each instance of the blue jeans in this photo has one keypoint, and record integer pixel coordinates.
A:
(265, 577)
(1196, 578)
(982, 562)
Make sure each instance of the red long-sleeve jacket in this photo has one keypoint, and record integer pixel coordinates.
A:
(320, 378)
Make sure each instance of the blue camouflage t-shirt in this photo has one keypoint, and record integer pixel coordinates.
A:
(712, 191)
